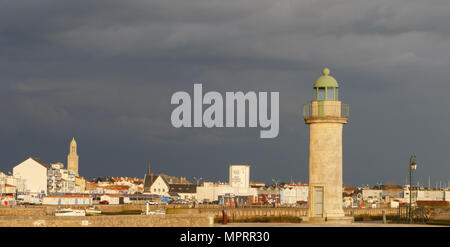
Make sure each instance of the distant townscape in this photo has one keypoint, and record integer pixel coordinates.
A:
(36, 182)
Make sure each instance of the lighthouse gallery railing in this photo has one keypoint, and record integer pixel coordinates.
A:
(323, 109)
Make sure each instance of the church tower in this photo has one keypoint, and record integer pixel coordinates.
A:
(326, 116)
(72, 158)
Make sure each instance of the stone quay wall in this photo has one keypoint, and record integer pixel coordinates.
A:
(440, 214)
(217, 212)
(48, 210)
(23, 211)
(242, 213)
(191, 220)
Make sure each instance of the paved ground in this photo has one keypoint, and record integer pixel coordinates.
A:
(357, 224)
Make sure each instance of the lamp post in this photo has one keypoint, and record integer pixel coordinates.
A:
(198, 179)
(412, 167)
(275, 182)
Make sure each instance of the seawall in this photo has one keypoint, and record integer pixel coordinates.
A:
(180, 220)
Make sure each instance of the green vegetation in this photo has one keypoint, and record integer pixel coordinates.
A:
(443, 207)
(262, 219)
(366, 217)
(181, 210)
(123, 212)
(439, 222)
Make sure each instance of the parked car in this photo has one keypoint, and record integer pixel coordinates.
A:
(104, 202)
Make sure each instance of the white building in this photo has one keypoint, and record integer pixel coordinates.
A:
(164, 185)
(67, 200)
(61, 180)
(184, 191)
(394, 203)
(115, 189)
(134, 185)
(113, 199)
(160, 186)
(207, 192)
(11, 185)
(429, 195)
(34, 174)
(238, 185)
(371, 195)
(239, 176)
(294, 193)
(425, 195)
(447, 195)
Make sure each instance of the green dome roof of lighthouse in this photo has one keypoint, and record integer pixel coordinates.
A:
(325, 80)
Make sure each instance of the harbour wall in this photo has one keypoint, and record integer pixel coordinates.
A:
(242, 213)
(237, 213)
(177, 220)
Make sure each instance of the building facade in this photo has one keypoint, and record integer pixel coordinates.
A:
(237, 190)
(67, 200)
(372, 195)
(61, 180)
(207, 192)
(34, 174)
(113, 199)
(10, 185)
(294, 193)
(239, 176)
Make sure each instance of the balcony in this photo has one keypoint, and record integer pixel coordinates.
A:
(319, 109)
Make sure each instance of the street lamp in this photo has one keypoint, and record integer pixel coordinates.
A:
(412, 167)
(275, 182)
(198, 179)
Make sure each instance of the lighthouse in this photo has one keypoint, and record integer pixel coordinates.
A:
(325, 116)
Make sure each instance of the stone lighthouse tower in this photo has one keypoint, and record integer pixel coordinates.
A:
(72, 158)
(326, 116)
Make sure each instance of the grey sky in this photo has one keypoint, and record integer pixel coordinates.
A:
(104, 72)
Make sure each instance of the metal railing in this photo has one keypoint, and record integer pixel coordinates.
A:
(321, 109)
(415, 214)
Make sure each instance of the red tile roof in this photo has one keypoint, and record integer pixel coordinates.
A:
(114, 195)
(68, 196)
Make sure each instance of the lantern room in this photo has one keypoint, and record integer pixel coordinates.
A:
(326, 87)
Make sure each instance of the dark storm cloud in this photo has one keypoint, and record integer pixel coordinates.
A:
(104, 72)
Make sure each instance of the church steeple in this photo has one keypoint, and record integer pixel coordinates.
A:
(73, 146)
(72, 158)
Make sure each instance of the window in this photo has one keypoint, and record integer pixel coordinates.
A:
(321, 95)
(330, 93)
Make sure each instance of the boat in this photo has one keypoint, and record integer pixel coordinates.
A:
(70, 212)
(93, 210)
(157, 212)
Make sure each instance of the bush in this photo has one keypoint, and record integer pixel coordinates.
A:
(262, 219)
